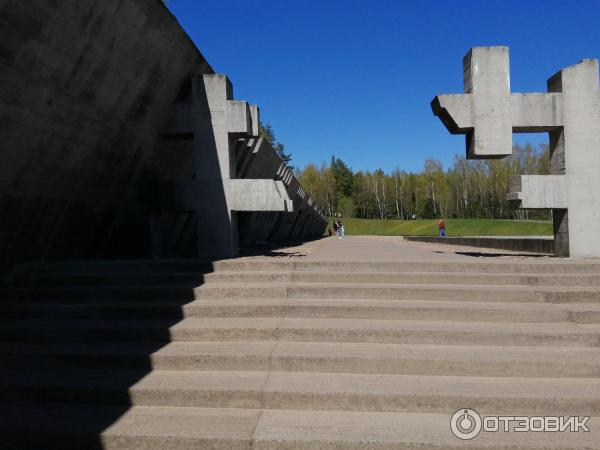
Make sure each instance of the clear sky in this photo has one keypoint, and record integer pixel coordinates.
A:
(354, 78)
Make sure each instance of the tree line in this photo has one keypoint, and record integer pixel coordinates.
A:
(468, 189)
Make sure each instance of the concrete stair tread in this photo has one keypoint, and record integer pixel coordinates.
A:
(152, 427)
(399, 303)
(453, 286)
(305, 329)
(166, 427)
(280, 324)
(481, 266)
(354, 277)
(332, 302)
(259, 271)
(335, 350)
(315, 383)
(98, 287)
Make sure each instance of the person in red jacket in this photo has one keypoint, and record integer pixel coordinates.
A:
(442, 227)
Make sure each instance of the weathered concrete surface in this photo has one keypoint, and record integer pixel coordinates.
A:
(85, 88)
(539, 191)
(488, 114)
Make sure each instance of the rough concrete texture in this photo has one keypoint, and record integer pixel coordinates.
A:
(488, 114)
(360, 343)
(110, 130)
(85, 88)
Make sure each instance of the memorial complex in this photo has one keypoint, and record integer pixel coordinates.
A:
(165, 281)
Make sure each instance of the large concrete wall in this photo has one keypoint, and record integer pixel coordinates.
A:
(85, 87)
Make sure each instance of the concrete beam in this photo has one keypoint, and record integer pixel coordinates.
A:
(259, 195)
(242, 118)
(536, 112)
(539, 191)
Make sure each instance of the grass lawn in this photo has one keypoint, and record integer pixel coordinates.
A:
(454, 227)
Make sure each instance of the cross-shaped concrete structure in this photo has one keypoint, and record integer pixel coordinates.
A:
(488, 113)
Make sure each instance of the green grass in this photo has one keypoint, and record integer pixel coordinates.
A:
(454, 227)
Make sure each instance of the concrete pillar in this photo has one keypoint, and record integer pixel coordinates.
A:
(581, 117)
(216, 123)
(216, 228)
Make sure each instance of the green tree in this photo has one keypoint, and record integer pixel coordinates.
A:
(344, 178)
(346, 207)
(266, 131)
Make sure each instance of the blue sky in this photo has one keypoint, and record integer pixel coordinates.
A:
(354, 78)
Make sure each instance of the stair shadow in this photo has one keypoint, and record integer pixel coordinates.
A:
(497, 255)
(90, 373)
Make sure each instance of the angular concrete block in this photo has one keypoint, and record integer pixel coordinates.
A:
(239, 119)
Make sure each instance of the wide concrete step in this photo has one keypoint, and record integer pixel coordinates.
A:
(303, 329)
(160, 427)
(543, 265)
(379, 291)
(113, 267)
(184, 294)
(460, 278)
(305, 390)
(46, 294)
(316, 308)
(125, 279)
(136, 267)
(376, 358)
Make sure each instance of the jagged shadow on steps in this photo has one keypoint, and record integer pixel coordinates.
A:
(497, 255)
(72, 348)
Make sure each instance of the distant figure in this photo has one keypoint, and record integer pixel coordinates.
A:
(335, 227)
(442, 227)
(414, 216)
(339, 228)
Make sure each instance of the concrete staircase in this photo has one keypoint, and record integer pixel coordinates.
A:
(285, 353)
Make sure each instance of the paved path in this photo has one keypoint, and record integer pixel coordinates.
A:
(396, 249)
(381, 248)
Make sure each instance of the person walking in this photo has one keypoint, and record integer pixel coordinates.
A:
(442, 227)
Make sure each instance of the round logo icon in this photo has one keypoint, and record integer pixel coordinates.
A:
(465, 423)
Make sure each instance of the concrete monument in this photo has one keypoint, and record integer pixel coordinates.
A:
(488, 113)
